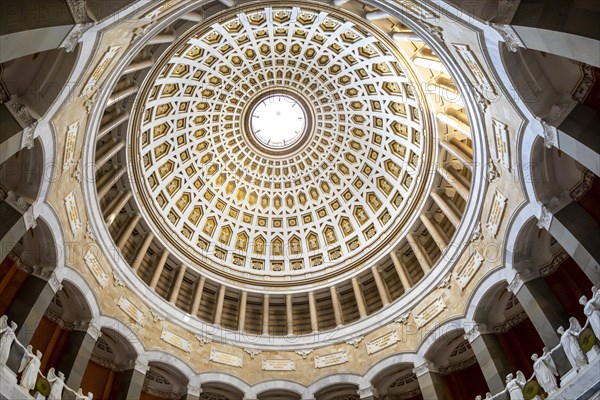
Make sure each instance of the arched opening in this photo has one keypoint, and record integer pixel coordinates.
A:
(398, 381)
(22, 173)
(278, 394)
(164, 382)
(220, 391)
(110, 370)
(456, 365)
(338, 391)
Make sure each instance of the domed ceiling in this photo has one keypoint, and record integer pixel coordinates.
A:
(238, 183)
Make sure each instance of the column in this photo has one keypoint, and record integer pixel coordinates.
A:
(193, 392)
(142, 250)
(138, 65)
(405, 278)
(337, 308)
(454, 123)
(133, 381)
(456, 152)
(367, 393)
(16, 133)
(160, 265)
(115, 209)
(375, 15)
(446, 208)
(417, 248)
(108, 151)
(162, 38)
(198, 295)
(430, 382)
(435, 231)
(289, 314)
(383, 293)
(219, 306)
(47, 352)
(242, 315)
(265, 315)
(312, 306)
(579, 234)
(76, 355)
(360, 300)
(117, 96)
(490, 357)
(14, 225)
(177, 284)
(127, 230)
(114, 119)
(108, 181)
(407, 36)
(456, 184)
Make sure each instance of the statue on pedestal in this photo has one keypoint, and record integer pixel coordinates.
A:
(6, 339)
(545, 371)
(570, 344)
(591, 309)
(514, 387)
(58, 384)
(30, 366)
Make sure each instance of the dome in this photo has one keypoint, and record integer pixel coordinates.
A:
(335, 200)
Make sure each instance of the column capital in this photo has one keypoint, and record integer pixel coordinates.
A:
(476, 331)
(194, 390)
(70, 41)
(424, 368)
(94, 330)
(367, 392)
(510, 36)
(515, 284)
(140, 364)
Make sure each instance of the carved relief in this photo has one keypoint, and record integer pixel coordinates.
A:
(430, 312)
(496, 213)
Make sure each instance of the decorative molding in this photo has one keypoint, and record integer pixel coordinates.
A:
(225, 358)
(458, 366)
(472, 334)
(382, 342)
(95, 268)
(27, 137)
(202, 340)
(70, 41)
(470, 59)
(466, 273)
(78, 11)
(545, 219)
(329, 360)
(477, 233)
(278, 365)
(176, 340)
(424, 368)
(17, 202)
(550, 134)
(354, 342)
(446, 282)
(585, 84)
(19, 112)
(510, 37)
(89, 232)
(141, 365)
(586, 184)
(510, 322)
(496, 213)
(103, 64)
(304, 353)
(160, 393)
(73, 213)
(403, 318)
(430, 312)
(156, 317)
(252, 352)
(515, 285)
(553, 265)
(131, 310)
(94, 330)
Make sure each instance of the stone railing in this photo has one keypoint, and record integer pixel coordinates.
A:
(580, 345)
(50, 387)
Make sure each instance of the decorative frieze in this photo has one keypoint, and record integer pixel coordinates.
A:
(510, 36)
(470, 59)
(501, 141)
(93, 80)
(403, 319)
(131, 310)
(355, 341)
(225, 358)
(430, 312)
(70, 143)
(383, 342)
(463, 277)
(176, 340)
(94, 266)
(332, 359)
(203, 340)
(278, 365)
(252, 352)
(73, 213)
(304, 353)
(496, 213)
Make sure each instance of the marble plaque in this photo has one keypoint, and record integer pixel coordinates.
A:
(165, 7)
(329, 360)
(382, 342)
(94, 266)
(496, 213)
(132, 311)
(469, 269)
(225, 358)
(430, 312)
(70, 143)
(470, 59)
(501, 141)
(278, 365)
(73, 213)
(103, 64)
(176, 340)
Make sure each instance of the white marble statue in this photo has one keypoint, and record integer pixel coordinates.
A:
(80, 396)
(6, 339)
(514, 386)
(591, 309)
(545, 371)
(58, 384)
(570, 344)
(30, 366)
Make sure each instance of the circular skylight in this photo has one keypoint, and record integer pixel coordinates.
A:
(278, 121)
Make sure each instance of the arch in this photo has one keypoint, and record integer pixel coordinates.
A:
(391, 361)
(24, 171)
(163, 377)
(160, 356)
(514, 226)
(334, 379)
(113, 324)
(274, 384)
(459, 323)
(76, 279)
(484, 286)
(224, 378)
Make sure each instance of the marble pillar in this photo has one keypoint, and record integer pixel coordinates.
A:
(75, 357)
(490, 357)
(430, 382)
(133, 381)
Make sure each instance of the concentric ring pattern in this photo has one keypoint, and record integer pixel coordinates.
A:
(337, 199)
